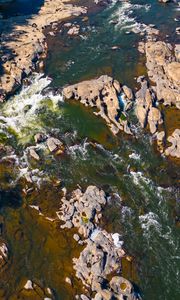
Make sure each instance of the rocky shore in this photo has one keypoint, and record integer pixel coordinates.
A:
(23, 42)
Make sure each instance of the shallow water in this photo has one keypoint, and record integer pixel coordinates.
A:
(146, 182)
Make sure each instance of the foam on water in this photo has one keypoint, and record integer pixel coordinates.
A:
(21, 110)
(124, 14)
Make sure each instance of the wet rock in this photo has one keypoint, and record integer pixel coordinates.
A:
(28, 285)
(34, 154)
(74, 30)
(40, 137)
(102, 93)
(68, 280)
(54, 144)
(4, 254)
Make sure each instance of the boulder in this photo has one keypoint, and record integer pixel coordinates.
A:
(54, 144)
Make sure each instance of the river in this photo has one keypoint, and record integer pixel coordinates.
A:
(146, 182)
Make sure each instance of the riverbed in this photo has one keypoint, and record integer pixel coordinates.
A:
(146, 210)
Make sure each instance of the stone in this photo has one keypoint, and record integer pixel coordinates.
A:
(174, 149)
(4, 254)
(128, 92)
(34, 154)
(28, 285)
(68, 280)
(40, 137)
(54, 144)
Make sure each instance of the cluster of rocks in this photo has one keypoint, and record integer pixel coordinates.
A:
(164, 70)
(31, 290)
(146, 109)
(73, 29)
(107, 96)
(163, 65)
(23, 45)
(103, 251)
(54, 145)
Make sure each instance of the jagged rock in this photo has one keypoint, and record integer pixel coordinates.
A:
(34, 154)
(163, 69)
(102, 93)
(54, 144)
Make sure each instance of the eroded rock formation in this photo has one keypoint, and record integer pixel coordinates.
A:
(103, 251)
(104, 94)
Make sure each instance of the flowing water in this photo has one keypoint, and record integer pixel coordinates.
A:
(147, 183)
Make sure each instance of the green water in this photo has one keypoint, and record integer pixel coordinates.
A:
(146, 182)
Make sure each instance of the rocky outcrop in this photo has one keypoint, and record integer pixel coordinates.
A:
(23, 44)
(164, 70)
(146, 109)
(103, 251)
(174, 149)
(106, 95)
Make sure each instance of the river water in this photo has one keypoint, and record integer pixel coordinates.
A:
(147, 183)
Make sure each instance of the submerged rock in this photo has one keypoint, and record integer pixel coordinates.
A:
(103, 94)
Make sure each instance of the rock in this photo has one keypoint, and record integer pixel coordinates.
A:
(141, 114)
(121, 285)
(128, 92)
(146, 110)
(54, 144)
(40, 137)
(154, 119)
(102, 93)
(174, 149)
(84, 297)
(34, 154)
(74, 30)
(76, 237)
(28, 285)
(68, 280)
(4, 254)
(173, 71)
(163, 69)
